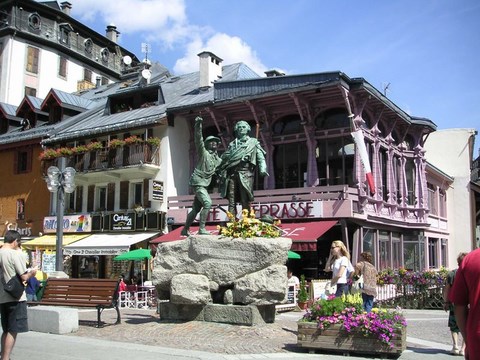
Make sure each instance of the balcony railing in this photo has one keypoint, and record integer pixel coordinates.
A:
(108, 158)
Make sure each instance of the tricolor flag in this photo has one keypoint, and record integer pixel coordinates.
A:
(362, 149)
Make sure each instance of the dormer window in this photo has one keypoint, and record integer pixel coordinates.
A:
(34, 21)
(64, 33)
(104, 54)
(88, 44)
(135, 99)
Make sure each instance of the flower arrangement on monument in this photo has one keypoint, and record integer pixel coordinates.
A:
(249, 226)
(347, 311)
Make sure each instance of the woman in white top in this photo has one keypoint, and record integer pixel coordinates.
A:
(339, 263)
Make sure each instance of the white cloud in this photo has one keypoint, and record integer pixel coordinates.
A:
(231, 49)
(164, 23)
(164, 20)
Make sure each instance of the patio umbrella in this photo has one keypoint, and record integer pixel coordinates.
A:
(293, 255)
(135, 255)
(138, 254)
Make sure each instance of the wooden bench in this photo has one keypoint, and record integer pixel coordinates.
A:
(86, 293)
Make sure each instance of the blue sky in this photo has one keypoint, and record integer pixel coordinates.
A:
(427, 52)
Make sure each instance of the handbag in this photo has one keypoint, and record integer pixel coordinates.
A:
(357, 285)
(330, 289)
(14, 286)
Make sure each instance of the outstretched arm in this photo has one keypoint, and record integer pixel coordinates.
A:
(198, 136)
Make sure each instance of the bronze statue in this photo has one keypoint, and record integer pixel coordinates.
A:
(202, 178)
(238, 165)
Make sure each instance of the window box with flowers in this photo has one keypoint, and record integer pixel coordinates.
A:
(49, 154)
(339, 324)
(80, 149)
(94, 146)
(153, 141)
(65, 151)
(133, 140)
(116, 143)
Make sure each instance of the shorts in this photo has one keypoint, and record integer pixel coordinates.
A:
(14, 316)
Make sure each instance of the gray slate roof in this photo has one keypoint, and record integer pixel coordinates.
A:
(71, 101)
(178, 91)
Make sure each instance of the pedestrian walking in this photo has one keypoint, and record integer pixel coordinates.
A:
(13, 310)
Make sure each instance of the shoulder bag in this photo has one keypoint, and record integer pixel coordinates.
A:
(14, 286)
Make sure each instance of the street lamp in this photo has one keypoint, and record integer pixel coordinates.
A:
(60, 180)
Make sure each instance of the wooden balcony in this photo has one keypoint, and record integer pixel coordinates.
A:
(108, 159)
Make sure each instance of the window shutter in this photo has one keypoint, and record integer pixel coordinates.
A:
(91, 198)
(124, 194)
(111, 197)
(78, 199)
(146, 190)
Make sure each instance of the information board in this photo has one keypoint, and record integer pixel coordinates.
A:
(48, 263)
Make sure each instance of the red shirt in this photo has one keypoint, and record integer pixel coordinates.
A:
(466, 290)
(122, 286)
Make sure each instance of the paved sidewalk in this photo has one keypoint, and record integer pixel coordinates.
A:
(144, 336)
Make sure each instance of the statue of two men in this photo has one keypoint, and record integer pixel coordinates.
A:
(235, 169)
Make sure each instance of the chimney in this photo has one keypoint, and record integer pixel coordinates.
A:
(66, 7)
(210, 68)
(273, 73)
(112, 33)
(98, 81)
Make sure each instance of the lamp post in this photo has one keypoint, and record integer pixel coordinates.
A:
(60, 180)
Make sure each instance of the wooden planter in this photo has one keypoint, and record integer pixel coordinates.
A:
(338, 340)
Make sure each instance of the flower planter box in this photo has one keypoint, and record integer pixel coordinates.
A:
(338, 340)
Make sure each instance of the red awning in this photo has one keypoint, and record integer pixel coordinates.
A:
(174, 235)
(305, 235)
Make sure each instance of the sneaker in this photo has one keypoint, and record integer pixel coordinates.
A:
(461, 353)
(455, 351)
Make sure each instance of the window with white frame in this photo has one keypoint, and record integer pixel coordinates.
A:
(136, 191)
(101, 198)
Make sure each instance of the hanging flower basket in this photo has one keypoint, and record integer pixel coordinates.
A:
(339, 324)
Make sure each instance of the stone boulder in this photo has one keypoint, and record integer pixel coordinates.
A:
(252, 269)
(190, 289)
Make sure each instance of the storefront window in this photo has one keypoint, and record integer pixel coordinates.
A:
(384, 250)
(396, 250)
(432, 253)
(290, 159)
(88, 267)
(413, 252)
(368, 241)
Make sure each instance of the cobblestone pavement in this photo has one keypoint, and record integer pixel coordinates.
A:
(145, 327)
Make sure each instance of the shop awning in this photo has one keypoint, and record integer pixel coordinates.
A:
(50, 241)
(305, 235)
(106, 244)
(174, 235)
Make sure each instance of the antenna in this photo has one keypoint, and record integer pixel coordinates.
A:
(146, 48)
(385, 88)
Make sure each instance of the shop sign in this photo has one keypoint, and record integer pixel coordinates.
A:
(95, 251)
(156, 190)
(283, 211)
(26, 231)
(71, 224)
(123, 221)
